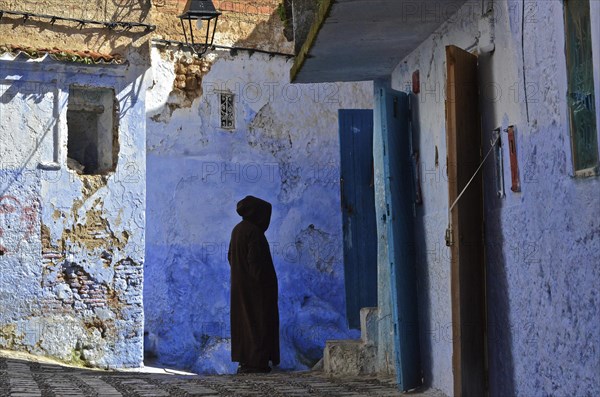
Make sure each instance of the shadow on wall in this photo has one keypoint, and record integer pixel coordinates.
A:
(267, 35)
(127, 9)
(500, 360)
(421, 263)
(12, 91)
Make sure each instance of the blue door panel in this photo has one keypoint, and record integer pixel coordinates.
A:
(358, 211)
(394, 116)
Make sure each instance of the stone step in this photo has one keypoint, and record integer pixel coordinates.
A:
(355, 356)
(369, 329)
(349, 357)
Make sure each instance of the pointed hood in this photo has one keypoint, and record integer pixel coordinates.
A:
(255, 211)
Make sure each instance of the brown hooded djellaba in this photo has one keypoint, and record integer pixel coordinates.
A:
(254, 309)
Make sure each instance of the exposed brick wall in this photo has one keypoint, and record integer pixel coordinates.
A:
(260, 7)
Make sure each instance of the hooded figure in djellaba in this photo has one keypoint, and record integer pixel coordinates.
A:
(254, 291)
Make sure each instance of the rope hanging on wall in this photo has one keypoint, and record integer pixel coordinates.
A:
(449, 240)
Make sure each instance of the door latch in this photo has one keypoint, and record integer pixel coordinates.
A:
(449, 240)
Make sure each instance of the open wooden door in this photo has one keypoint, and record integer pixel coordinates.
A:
(394, 118)
(358, 211)
(463, 129)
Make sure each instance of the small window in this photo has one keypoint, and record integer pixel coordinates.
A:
(580, 94)
(93, 144)
(227, 113)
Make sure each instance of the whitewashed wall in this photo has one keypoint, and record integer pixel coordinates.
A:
(72, 245)
(542, 243)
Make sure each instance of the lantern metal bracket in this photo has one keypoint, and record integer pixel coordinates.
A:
(204, 12)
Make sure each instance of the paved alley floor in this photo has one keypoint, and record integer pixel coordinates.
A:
(26, 378)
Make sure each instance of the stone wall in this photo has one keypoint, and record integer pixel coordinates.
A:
(66, 35)
(284, 148)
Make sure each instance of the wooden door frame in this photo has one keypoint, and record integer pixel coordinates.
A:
(467, 257)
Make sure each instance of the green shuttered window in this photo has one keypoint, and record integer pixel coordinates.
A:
(580, 94)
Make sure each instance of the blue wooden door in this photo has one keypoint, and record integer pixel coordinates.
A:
(394, 118)
(358, 211)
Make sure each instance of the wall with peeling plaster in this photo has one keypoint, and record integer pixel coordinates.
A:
(72, 246)
(284, 149)
(542, 243)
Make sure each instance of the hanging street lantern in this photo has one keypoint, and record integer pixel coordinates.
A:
(202, 12)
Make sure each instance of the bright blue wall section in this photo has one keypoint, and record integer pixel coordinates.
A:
(284, 150)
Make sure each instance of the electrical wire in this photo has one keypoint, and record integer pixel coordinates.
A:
(223, 47)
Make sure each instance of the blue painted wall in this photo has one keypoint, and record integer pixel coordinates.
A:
(285, 150)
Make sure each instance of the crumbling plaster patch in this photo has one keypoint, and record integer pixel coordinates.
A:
(188, 71)
(89, 275)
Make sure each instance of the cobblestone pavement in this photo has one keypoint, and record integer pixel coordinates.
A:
(28, 379)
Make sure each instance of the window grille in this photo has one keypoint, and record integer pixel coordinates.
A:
(227, 111)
